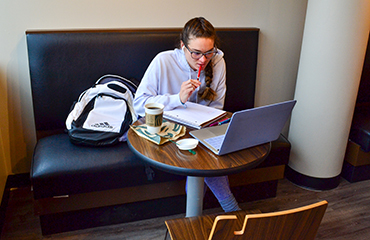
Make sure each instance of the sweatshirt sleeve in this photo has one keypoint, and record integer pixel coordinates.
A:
(155, 87)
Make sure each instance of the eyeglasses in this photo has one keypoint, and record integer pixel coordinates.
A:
(197, 55)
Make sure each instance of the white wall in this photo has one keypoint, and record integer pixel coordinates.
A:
(281, 23)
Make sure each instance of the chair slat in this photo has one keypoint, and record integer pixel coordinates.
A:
(299, 223)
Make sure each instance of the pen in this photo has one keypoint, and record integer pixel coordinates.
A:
(224, 121)
(218, 123)
(200, 68)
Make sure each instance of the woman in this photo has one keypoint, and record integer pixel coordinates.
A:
(171, 79)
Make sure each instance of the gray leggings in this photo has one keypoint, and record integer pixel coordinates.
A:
(219, 186)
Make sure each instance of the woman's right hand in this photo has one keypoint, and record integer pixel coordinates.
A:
(187, 88)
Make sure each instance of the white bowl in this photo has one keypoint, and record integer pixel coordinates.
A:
(187, 143)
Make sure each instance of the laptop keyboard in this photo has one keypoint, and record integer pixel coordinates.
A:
(215, 142)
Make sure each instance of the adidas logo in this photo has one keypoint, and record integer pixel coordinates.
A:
(102, 125)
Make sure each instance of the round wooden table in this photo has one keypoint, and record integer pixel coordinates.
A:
(204, 163)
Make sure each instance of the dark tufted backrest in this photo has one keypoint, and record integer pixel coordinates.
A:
(65, 63)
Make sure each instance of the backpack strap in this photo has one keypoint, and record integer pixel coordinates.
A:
(111, 77)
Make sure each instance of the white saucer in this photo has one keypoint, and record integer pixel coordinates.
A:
(187, 143)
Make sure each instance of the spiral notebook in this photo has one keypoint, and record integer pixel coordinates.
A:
(194, 115)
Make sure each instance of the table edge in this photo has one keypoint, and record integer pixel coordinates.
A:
(197, 172)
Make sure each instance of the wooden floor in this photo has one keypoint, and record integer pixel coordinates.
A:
(347, 216)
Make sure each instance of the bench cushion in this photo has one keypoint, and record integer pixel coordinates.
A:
(62, 168)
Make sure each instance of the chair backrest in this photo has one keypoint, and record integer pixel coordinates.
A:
(211, 226)
(299, 223)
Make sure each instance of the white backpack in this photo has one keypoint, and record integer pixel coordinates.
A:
(103, 113)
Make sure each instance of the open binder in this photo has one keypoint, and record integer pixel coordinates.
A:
(194, 115)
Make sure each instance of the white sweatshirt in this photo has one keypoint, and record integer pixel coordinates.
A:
(167, 71)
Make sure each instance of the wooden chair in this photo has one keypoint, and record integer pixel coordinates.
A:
(299, 223)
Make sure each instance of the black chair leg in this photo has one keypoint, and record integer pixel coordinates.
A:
(165, 237)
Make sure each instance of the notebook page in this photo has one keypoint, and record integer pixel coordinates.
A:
(194, 115)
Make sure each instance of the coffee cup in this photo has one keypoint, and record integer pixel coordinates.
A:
(154, 117)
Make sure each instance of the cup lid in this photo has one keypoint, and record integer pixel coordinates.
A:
(187, 143)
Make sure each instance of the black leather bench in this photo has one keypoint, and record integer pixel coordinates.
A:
(72, 182)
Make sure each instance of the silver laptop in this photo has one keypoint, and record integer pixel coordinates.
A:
(247, 128)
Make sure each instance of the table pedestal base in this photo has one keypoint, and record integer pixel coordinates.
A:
(194, 197)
